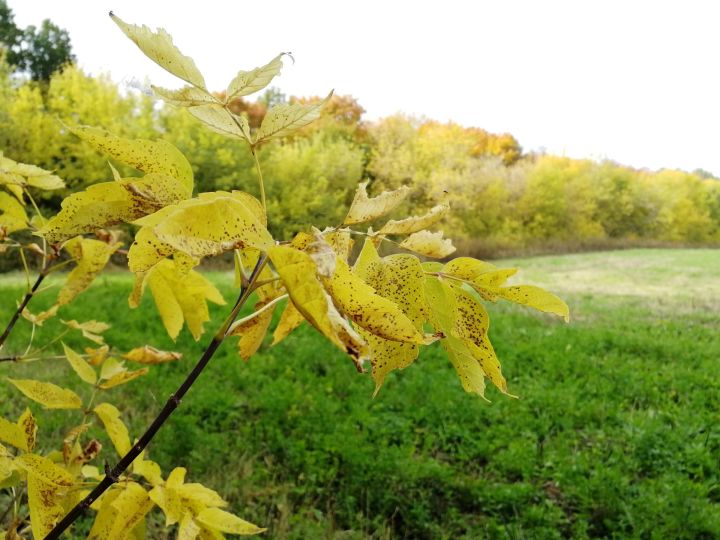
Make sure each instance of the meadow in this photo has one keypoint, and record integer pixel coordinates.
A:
(614, 433)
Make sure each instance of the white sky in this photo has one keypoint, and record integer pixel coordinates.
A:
(634, 81)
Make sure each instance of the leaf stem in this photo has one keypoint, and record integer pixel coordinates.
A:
(260, 177)
(113, 475)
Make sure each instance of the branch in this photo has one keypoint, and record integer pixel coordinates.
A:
(21, 307)
(112, 476)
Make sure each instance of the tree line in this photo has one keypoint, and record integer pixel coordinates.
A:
(504, 201)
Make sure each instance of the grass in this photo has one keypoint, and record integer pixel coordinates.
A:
(614, 435)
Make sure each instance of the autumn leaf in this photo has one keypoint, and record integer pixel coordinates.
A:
(364, 208)
(159, 47)
(44, 505)
(286, 118)
(415, 223)
(151, 355)
(430, 244)
(249, 82)
(114, 426)
(219, 520)
(290, 319)
(252, 330)
(80, 366)
(47, 394)
(12, 215)
(90, 329)
(43, 469)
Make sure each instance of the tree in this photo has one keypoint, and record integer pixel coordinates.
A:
(39, 52)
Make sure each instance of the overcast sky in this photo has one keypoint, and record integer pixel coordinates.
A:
(634, 81)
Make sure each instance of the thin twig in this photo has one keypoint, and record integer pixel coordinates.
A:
(28, 296)
(113, 475)
(260, 177)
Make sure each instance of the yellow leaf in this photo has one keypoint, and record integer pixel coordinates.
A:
(298, 272)
(99, 206)
(201, 494)
(114, 426)
(156, 157)
(45, 470)
(187, 96)
(252, 331)
(213, 224)
(15, 174)
(48, 394)
(123, 378)
(535, 297)
(80, 366)
(147, 250)
(472, 325)
(484, 277)
(430, 244)
(70, 447)
(364, 208)
(181, 298)
(13, 434)
(368, 257)
(286, 118)
(290, 319)
(249, 82)
(28, 426)
(111, 367)
(148, 469)
(189, 530)
(90, 329)
(106, 514)
(169, 502)
(151, 355)
(377, 314)
(43, 502)
(97, 356)
(220, 120)
(341, 243)
(131, 506)
(398, 278)
(159, 47)
(91, 257)
(415, 223)
(12, 215)
(443, 315)
(222, 521)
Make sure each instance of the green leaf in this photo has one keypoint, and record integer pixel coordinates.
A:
(249, 82)
(159, 47)
(286, 118)
(364, 208)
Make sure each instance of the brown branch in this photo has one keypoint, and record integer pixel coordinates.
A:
(21, 307)
(112, 475)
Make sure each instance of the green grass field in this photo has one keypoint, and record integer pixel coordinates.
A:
(615, 433)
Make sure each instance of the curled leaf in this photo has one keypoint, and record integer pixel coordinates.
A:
(151, 355)
(415, 223)
(430, 244)
(364, 208)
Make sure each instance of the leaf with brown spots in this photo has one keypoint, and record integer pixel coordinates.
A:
(364, 208)
(47, 394)
(377, 314)
(158, 46)
(12, 215)
(399, 278)
(299, 274)
(535, 297)
(44, 505)
(252, 330)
